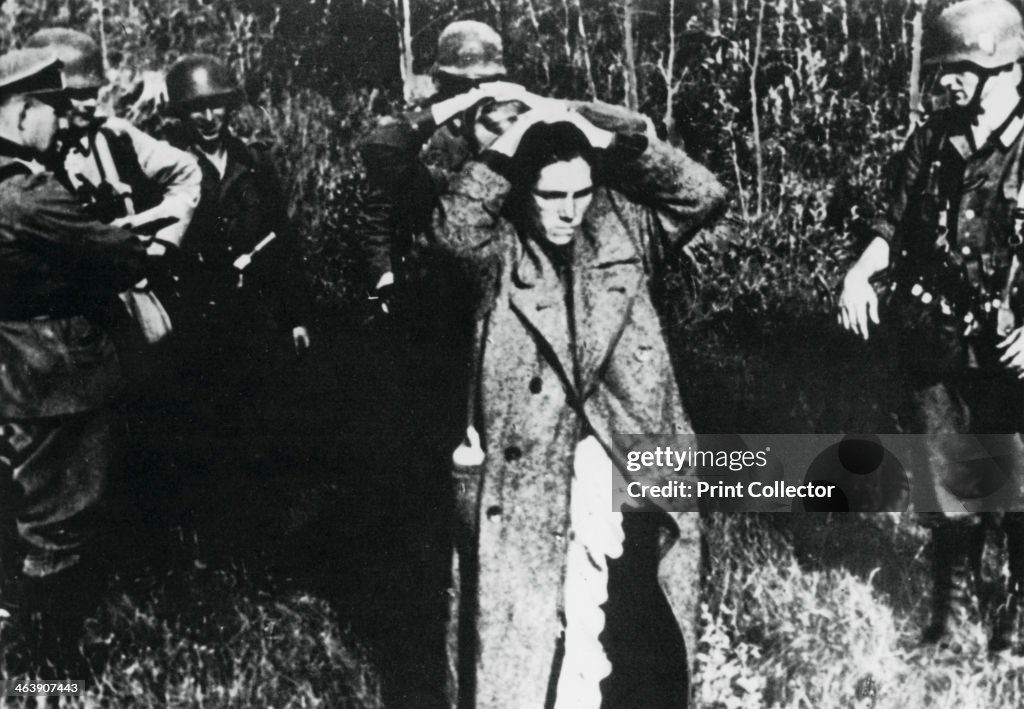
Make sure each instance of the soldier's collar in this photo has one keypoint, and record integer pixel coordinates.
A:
(1007, 133)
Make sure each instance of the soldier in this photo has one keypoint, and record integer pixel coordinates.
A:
(60, 272)
(441, 131)
(952, 234)
(244, 309)
(123, 173)
(133, 180)
(424, 327)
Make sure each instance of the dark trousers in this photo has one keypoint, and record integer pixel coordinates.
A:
(975, 467)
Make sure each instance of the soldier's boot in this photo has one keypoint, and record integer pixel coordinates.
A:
(52, 621)
(1007, 620)
(956, 576)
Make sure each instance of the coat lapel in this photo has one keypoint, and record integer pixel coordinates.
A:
(610, 272)
(538, 299)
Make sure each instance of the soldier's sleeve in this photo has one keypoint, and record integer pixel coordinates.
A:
(374, 227)
(49, 217)
(406, 133)
(390, 154)
(468, 225)
(903, 173)
(288, 277)
(684, 194)
(176, 171)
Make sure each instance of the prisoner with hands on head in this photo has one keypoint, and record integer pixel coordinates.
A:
(559, 249)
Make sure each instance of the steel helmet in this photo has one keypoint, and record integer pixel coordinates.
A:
(200, 80)
(986, 33)
(469, 49)
(83, 61)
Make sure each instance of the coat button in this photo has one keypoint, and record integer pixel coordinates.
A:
(513, 453)
(536, 384)
(969, 214)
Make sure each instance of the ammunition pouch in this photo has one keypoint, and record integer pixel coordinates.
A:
(928, 344)
(928, 313)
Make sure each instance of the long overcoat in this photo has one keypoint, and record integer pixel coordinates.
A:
(538, 396)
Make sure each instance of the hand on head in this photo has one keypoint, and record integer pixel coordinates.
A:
(550, 111)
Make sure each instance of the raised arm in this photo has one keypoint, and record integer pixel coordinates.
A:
(175, 171)
(56, 226)
(684, 194)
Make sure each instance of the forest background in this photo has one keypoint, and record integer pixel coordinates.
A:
(797, 106)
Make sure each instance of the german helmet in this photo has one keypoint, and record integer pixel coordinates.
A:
(986, 33)
(200, 80)
(469, 49)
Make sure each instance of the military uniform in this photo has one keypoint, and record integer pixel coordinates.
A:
(409, 160)
(60, 271)
(147, 174)
(954, 202)
(233, 327)
(425, 342)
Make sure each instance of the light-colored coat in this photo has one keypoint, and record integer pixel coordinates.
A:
(537, 398)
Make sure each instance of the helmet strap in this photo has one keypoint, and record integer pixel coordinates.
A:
(972, 111)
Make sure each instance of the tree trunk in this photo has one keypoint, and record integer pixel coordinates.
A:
(916, 109)
(844, 20)
(405, 41)
(103, 35)
(668, 65)
(585, 43)
(755, 119)
(632, 94)
(545, 61)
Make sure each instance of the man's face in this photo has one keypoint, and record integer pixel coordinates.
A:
(206, 126)
(39, 127)
(493, 121)
(961, 81)
(83, 108)
(561, 196)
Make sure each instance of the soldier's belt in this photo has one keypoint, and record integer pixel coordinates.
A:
(972, 316)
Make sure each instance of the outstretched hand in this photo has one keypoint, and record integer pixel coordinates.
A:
(858, 304)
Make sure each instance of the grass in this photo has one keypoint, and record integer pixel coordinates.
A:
(810, 611)
(216, 639)
(224, 645)
(825, 612)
